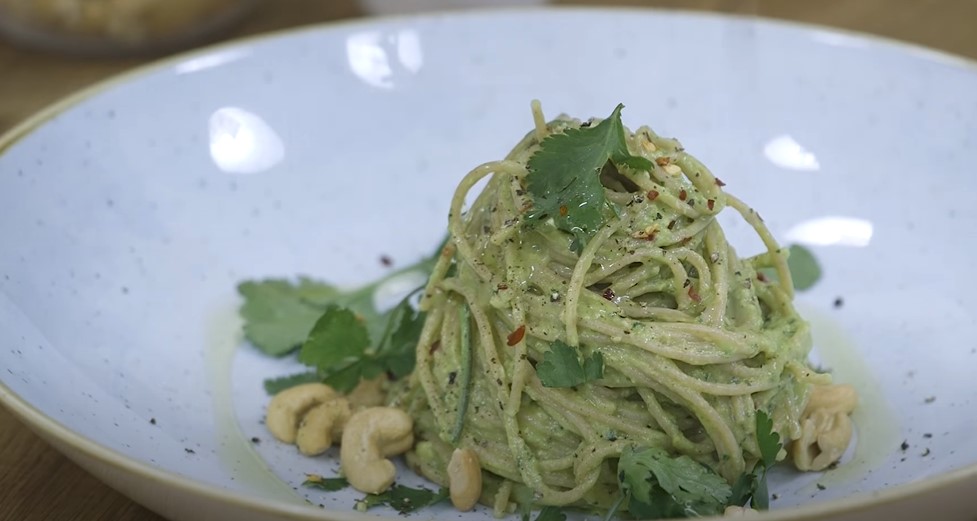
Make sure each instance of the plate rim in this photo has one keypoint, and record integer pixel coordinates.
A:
(46, 426)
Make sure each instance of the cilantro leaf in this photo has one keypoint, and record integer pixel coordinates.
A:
(562, 368)
(403, 499)
(344, 379)
(278, 315)
(274, 386)
(767, 439)
(743, 489)
(804, 267)
(337, 339)
(564, 179)
(550, 513)
(327, 484)
(805, 271)
(339, 346)
(752, 486)
(661, 485)
(396, 350)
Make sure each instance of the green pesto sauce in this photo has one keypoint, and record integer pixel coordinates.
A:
(234, 451)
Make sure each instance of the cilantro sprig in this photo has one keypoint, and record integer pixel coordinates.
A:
(339, 346)
(660, 486)
(327, 484)
(403, 499)
(339, 334)
(751, 487)
(564, 176)
(656, 485)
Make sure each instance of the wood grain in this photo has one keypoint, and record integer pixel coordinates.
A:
(37, 483)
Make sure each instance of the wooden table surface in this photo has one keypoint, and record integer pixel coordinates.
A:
(37, 483)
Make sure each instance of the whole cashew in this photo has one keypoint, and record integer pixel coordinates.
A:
(738, 511)
(824, 438)
(826, 428)
(834, 398)
(321, 425)
(370, 436)
(287, 408)
(464, 479)
(368, 393)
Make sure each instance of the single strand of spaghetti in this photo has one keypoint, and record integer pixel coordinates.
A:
(509, 216)
(576, 285)
(423, 370)
(591, 457)
(464, 372)
(699, 175)
(753, 218)
(539, 120)
(696, 260)
(438, 272)
(501, 501)
(446, 356)
(522, 368)
(716, 249)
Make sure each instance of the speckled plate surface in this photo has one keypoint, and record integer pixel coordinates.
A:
(129, 212)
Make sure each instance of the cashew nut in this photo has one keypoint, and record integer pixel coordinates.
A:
(368, 393)
(464, 479)
(287, 408)
(738, 511)
(834, 398)
(321, 425)
(826, 428)
(370, 436)
(824, 438)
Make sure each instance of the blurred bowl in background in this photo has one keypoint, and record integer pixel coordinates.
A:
(392, 7)
(118, 27)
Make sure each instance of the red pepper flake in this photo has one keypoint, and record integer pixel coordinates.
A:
(652, 195)
(682, 195)
(608, 294)
(761, 277)
(516, 336)
(564, 211)
(662, 161)
(711, 203)
(694, 295)
(719, 182)
(502, 286)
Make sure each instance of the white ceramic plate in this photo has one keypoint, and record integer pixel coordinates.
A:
(129, 212)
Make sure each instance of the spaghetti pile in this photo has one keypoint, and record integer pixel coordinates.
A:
(690, 340)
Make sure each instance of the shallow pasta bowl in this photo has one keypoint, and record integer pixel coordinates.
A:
(129, 212)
